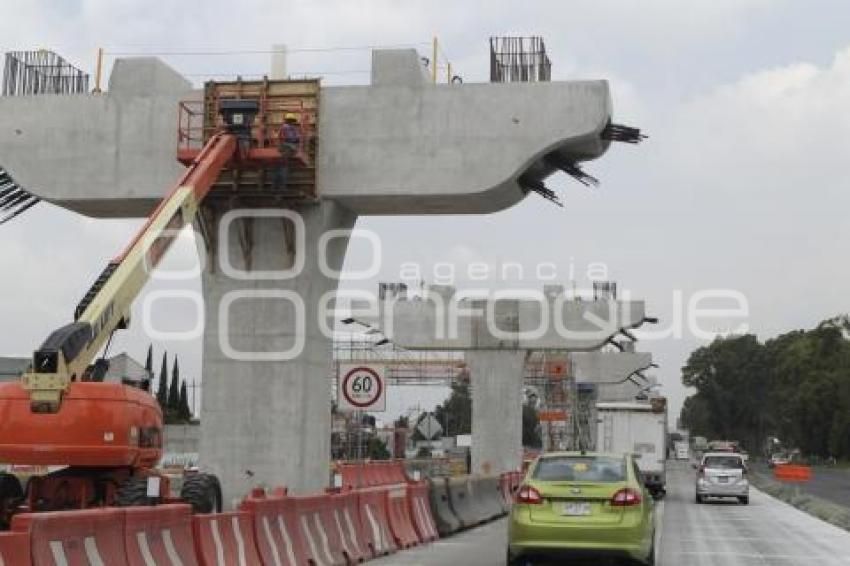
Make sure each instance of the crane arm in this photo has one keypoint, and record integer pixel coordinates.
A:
(66, 354)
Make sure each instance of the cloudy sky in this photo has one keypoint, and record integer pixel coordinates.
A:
(741, 185)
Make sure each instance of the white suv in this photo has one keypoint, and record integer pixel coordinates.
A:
(722, 474)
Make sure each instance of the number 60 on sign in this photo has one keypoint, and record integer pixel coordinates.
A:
(362, 388)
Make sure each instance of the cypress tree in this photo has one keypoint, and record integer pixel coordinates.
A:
(162, 388)
(174, 390)
(185, 411)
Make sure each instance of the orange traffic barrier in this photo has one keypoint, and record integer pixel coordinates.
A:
(372, 510)
(792, 473)
(398, 514)
(15, 549)
(90, 537)
(276, 530)
(347, 522)
(420, 511)
(225, 539)
(322, 544)
(159, 536)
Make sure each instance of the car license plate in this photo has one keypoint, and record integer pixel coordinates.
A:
(723, 479)
(575, 509)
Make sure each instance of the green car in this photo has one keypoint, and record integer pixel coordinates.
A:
(582, 505)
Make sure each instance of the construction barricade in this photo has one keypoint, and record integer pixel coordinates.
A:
(15, 549)
(322, 544)
(159, 536)
(225, 539)
(276, 529)
(90, 537)
(347, 522)
(398, 515)
(420, 512)
(371, 505)
(487, 497)
(441, 507)
(461, 501)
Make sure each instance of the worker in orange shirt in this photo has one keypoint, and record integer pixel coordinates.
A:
(289, 141)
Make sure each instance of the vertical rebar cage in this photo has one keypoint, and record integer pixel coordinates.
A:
(519, 59)
(41, 72)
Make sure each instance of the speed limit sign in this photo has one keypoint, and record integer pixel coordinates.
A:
(362, 388)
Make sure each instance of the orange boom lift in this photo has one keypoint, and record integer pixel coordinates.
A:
(106, 438)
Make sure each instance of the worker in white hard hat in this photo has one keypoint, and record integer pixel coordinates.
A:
(289, 140)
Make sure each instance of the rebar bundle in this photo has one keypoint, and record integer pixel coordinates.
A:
(41, 72)
(519, 59)
(14, 200)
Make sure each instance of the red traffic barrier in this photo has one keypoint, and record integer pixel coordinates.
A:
(276, 530)
(419, 508)
(371, 505)
(160, 535)
(398, 514)
(225, 539)
(322, 544)
(792, 473)
(348, 526)
(90, 537)
(15, 549)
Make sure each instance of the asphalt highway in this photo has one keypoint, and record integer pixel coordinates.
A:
(766, 532)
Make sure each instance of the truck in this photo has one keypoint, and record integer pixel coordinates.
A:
(682, 450)
(640, 429)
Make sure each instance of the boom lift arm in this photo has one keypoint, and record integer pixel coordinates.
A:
(67, 353)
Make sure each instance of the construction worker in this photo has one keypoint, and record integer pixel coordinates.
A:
(289, 140)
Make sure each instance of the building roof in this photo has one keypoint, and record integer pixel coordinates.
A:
(11, 368)
(123, 366)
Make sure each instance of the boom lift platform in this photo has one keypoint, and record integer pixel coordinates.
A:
(106, 438)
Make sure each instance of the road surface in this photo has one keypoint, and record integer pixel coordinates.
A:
(767, 532)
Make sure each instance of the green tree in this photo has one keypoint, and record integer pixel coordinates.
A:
(185, 410)
(376, 449)
(162, 388)
(174, 390)
(455, 413)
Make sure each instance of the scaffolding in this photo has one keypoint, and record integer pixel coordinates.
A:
(519, 60)
(41, 72)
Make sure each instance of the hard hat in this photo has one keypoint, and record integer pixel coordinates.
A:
(290, 116)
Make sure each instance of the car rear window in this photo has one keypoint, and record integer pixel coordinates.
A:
(581, 468)
(724, 462)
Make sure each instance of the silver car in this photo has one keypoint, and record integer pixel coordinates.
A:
(722, 474)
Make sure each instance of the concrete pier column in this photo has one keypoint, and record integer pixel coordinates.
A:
(496, 378)
(265, 414)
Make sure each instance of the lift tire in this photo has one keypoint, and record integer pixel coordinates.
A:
(202, 492)
(133, 493)
(11, 494)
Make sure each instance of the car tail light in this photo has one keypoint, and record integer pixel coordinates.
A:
(528, 495)
(626, 497)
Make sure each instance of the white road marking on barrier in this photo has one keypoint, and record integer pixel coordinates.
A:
(219, 549)
(324, 536)
(90, 544)
(313, 551)
(290, 552)
(170, 549)
(240, 544)
(58, 552)
(142, 541)
(425, 517)
(272, 544)
(377, 535)
(342, 536)
(351, 532)
(420, 518)
(1, 561)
